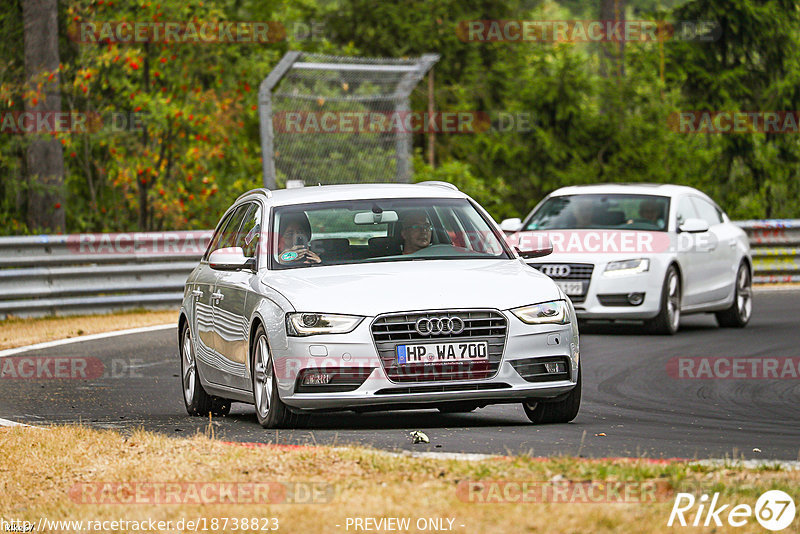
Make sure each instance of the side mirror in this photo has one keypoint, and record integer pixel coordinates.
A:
(694, 226)
(230, 259)
(511, 225)
(534, 246)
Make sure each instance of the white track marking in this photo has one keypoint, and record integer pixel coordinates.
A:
(6, 422)
(104, 335)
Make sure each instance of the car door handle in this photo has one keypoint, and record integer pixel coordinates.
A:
(732, 244)
(197, 293)
(217, 296)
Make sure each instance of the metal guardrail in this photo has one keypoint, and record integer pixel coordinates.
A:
(775, 246)
(80, 273)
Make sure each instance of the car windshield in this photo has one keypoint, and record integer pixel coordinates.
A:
(382, 230)
(627, 212)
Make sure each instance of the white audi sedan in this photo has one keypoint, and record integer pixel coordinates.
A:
(647, 252)
(371, 297)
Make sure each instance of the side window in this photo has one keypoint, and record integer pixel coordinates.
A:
(707, 211)
(214, 244)
(228, 233)
(250, 232)
(685, 210)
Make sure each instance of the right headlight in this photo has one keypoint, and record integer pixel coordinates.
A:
(553, 312)
(621, 268)
(309, 324)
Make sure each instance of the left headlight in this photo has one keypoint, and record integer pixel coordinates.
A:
(309, 324)
(620, 268)
(554, 312)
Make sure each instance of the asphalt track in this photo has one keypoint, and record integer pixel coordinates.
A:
(632, 405)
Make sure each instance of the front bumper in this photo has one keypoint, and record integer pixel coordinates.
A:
(605, 296)
(357, 350)
(648, 283)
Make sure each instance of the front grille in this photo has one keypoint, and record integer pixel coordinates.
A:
(581, 272)
(534, 370)
(441, 388)
(391, 330)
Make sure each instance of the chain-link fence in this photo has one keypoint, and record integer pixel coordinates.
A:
(334, 120)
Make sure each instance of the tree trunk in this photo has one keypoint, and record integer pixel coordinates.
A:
(145, 181)
(613, 51)
(45, 157)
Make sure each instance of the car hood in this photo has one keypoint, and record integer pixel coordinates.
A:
(373, 288)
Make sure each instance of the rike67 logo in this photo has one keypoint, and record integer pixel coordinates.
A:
(774, 510)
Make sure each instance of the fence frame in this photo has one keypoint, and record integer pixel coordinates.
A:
(293, 60)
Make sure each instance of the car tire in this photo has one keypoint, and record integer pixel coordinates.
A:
(669, 316)
(459, 407)
(195, 398)
(738, 315)
(270, 409)
(560, 411)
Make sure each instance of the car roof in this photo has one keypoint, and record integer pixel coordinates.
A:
(669, 190)
(332, 193)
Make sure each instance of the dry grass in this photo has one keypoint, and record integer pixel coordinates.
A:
(17, 332)
(39, 467)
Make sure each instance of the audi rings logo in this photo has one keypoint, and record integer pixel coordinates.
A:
(434, 326)
(555, 271)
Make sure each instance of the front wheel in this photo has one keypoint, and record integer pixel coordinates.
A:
(669, 316)
(738, 315)
(195, 398)
(270, 409)
(562, 411)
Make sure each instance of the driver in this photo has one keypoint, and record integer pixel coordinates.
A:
(650, 211)
(416, 230)
(582, 212)
(294, 235)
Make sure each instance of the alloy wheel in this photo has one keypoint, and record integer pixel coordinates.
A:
(744, 294)
(673, 300)
(189, 369)
(263, 378)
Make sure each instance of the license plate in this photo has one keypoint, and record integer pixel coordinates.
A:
(570, 288)
(469, 351)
